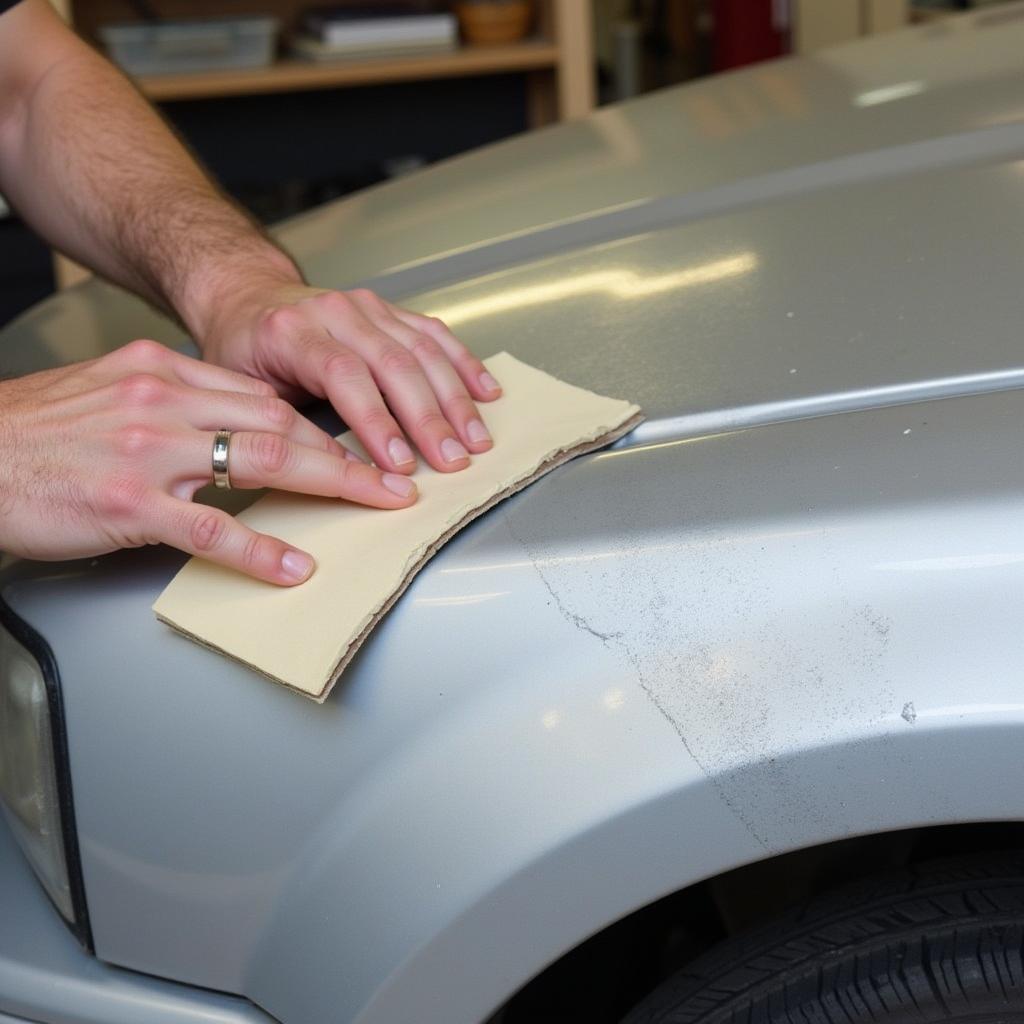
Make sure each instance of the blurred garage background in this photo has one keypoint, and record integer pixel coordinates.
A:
(290, 105)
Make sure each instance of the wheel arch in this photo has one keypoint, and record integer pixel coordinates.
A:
(498, 925)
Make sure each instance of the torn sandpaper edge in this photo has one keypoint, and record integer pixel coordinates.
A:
(553, 462)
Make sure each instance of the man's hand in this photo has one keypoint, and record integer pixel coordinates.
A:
(108, 454)
(357, 350)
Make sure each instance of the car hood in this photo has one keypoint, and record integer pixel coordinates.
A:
(781, 241)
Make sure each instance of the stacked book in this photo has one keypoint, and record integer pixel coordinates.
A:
(330, 33)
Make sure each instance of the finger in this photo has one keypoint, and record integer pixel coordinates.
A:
(327, 369)
(269, 460)
(198, 374)
(477, 378)
(225, 410)
(450, 392)
(212, 534)
(159, 403)
(145, 356)
(400, 378)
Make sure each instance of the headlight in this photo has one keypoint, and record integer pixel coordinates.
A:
(34, 782)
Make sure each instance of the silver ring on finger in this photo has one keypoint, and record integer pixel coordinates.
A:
(221, 448)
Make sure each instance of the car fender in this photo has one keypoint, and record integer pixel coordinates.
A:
(704, 686)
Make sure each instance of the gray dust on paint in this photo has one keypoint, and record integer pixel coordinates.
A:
(749, 664)
(614, 640)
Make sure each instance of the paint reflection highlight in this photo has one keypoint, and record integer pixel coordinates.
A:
(459, 599)
(942, 563)
(617, 282)
(888, 94)
(613, 700)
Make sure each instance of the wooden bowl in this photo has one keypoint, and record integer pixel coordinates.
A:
(494, 22)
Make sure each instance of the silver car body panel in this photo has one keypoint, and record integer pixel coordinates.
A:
(781, 612)
(46, 976)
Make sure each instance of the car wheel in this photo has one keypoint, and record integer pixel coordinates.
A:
(939, 942)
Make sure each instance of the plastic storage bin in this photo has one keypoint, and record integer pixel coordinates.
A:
(169, 47)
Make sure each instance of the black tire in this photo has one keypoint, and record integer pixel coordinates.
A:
(939, 942)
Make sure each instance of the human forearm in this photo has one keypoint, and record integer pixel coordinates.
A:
(93, 167)
(89, 163)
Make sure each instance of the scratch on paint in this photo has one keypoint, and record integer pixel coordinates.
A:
(616, 639)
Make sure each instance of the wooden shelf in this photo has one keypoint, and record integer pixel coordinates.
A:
(558, 66)
(290, 75)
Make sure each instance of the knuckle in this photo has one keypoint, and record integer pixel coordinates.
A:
(271, 453)
(431, 421)
(458, 407)
(343, 475)
(280, 413)
(337, 302)
(207, 530)
(344, 366)
(397, 361)
(144, 351)
(136, 439)
(281, 320)
(418, 321)
(427, 349)
(377, 418)
(255, 553)
(142, 389)
(365, 295)
(121, 497)
(438, 326)
(262, 388)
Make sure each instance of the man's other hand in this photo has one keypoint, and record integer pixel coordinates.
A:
(108, 454)
(392, 375)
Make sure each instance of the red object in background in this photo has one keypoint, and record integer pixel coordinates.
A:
(747, 31)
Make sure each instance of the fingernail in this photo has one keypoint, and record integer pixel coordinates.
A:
(477, 432)
(400, 485)
(351, 456)
(399, 452)
(452, 450)
(488, 383)
(296, 565)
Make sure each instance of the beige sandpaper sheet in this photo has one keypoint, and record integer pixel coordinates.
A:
(304, 636)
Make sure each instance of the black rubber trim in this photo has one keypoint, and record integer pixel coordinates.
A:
(40, 650)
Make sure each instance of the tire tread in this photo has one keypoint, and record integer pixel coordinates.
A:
(942, 941)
